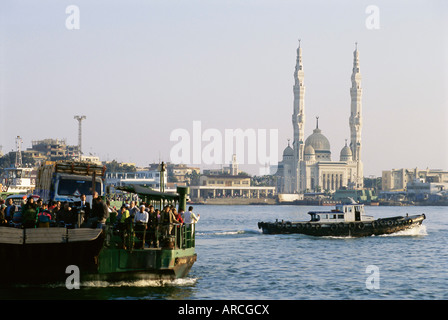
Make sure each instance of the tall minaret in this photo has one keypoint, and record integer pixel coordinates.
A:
(356, 118)
(298, 117)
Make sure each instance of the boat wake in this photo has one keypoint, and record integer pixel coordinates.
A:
(183, 282)
(229, 232)
(419, 230)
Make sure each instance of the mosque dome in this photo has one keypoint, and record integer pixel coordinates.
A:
(346, 153)
(320, 143)
(309, 150)
(288, 151)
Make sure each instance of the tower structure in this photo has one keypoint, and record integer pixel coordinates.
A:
(19, 141)
(79, 118)
(298, 117)
(356, 118)
(307, 165)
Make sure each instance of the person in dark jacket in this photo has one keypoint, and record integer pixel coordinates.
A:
(29, 213)
(99, 211)
(85, 207)
(10, 210)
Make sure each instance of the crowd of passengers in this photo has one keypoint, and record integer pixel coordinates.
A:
(144, 218)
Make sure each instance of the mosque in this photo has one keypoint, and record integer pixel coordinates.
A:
(307, 165)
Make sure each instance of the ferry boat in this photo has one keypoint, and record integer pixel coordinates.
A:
(346, 220)
(18, 180)
(43, 255)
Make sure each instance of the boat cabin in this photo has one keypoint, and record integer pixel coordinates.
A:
(342, 213)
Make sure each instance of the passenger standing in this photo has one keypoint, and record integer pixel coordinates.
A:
(67, 216)
(10, 210)
(29, 213)
(177, 216)
(132, 209)
(153, 223)
(3, 213)
(141, 222)
(56, 211)
(111, 212)
(44, 218)
(99, 212)
(85, 207)
(191, 218)
(166, 219)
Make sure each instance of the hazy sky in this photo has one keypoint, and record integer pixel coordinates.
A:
(140, 69)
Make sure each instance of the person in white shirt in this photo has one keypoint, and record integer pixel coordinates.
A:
(140, 221)
(191, 218)
(141, 216)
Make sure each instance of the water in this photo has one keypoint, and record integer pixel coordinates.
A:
(237, 262)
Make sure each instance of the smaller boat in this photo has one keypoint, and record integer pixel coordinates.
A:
(346, 220)
(17, 180)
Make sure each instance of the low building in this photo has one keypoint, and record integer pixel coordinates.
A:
(397, 179)
(181, 172)
(221, 186)
(419, 190)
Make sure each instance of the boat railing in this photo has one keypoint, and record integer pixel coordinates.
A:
(132, 236)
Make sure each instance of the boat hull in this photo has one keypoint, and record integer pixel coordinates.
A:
(344, 229)
(37, 256)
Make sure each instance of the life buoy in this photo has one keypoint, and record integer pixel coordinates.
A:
(374, 224)
(390, 223)
(288, 224)
(333, 227)
(318, 226)
(341, 225)
(351, 225)
(308, 225)
(299, 226)
(361, 226)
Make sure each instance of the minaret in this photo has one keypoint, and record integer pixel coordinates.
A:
(298, 117)
(356, 118)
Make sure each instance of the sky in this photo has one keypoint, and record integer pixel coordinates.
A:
(139, 70)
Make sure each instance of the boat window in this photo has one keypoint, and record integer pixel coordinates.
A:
(340, 216)
(68, 187)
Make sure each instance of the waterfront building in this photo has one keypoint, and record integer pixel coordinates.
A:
(54, 149)
(397, 180)
(181, 172)
(307, 164)
(419, 190)
(225, 185)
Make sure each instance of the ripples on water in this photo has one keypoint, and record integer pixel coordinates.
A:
(237, 262)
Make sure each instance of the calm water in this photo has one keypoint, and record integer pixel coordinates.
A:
(237, 262)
